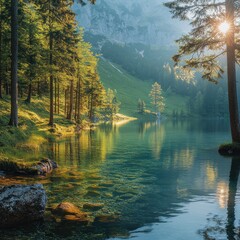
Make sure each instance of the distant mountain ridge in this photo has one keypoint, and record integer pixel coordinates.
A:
(126, 21)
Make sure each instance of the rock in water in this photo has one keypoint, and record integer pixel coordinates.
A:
(69, 212)
(21, 204)
(66, 208)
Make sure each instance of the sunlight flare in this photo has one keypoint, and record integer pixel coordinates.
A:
(224, 27)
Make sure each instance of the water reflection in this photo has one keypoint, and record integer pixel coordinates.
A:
(141, 173)
(222, 194)
(219, 228)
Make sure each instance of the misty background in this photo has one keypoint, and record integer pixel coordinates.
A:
(140, 38)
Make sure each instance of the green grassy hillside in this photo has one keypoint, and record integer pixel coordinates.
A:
(130, 89)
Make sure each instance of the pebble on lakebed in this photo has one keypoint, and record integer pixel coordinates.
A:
(67, 211)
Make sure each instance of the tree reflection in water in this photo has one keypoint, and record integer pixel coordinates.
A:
(217, 227)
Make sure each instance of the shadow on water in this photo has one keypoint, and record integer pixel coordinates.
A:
(233, 181)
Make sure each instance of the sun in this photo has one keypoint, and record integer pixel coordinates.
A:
(224, 27)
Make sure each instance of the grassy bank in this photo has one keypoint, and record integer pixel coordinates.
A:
(24, 142)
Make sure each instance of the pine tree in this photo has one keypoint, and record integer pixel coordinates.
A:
(42, 51)
(31, 47)
(141, 106)
(205, 43)
(157, 98)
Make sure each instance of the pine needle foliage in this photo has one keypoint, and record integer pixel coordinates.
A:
(202, 47)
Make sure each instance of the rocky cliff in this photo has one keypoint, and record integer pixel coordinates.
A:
(128, 21)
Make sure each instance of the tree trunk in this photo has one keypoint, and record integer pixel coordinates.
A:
(231, 73)
(51, 80)
(6, 88)
(38, 88)
(58, 91)
(55, 92)
(76, 103)
(91, 108)
(31, 61)
(51, 102)
(29, 97)
(79, 100)
(14, 63)
(1, 72)
(71, 102)
(65, 105)
(50, 64)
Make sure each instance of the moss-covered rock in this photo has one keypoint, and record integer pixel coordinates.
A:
(229, 149)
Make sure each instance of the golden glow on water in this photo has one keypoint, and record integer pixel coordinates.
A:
(184, 158)
(136, 173)
(222, 194)
(156, 139)
(211, 174)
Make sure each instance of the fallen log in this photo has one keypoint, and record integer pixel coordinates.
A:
(43, 167)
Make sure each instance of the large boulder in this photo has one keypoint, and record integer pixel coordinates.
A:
(21, 204)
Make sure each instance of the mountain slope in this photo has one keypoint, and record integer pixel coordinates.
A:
(130, 89)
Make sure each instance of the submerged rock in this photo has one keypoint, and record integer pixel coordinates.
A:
(69, 212)
(21, 204)
(92, 194)
(107, 218)
(66, 208)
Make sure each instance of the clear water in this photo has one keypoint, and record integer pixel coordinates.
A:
(154, 181)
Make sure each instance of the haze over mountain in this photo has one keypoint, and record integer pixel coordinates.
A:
(139, 38)
(146, 22)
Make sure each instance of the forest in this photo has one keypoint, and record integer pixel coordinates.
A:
(53, 61)
(119, 119)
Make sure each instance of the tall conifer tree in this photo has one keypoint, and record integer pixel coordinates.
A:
(208, 40)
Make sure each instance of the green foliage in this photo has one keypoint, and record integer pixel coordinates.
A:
(141, 107)
(201, 48)
(52, 55)
(130, 89)
(157, 98)
(111, 104)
